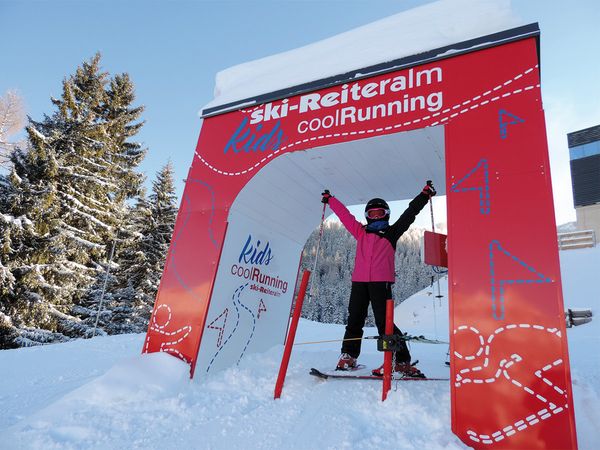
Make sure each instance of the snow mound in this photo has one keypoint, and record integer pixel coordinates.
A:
(145, 377)
(427, 27)
(148, 379)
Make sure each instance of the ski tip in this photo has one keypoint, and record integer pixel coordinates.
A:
(318, 373)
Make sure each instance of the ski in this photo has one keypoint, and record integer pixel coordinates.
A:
(351, 376)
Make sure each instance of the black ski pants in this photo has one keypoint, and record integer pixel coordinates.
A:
(361, 294)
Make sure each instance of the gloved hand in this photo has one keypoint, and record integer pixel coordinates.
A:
(429, 189)
(326, 196)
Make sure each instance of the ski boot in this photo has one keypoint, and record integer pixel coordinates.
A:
(404, 370)
(346, 362)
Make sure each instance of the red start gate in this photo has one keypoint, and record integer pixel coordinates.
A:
(474, 117)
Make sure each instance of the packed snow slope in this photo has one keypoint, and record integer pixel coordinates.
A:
(102, 394)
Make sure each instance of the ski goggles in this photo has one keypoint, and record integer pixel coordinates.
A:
(377, 213)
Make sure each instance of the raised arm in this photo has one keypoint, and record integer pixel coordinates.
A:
(353, 226)
(398, 228)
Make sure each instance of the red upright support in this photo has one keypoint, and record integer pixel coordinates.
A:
(291, 334)
(387, 356)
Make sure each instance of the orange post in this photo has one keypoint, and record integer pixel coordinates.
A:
(289, 342)
(387, 356)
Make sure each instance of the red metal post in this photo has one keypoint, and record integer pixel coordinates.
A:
(387, 356)
(289, 342)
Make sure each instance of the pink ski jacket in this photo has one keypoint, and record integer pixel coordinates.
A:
(375, 251)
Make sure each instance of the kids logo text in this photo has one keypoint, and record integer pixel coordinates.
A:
(254, 254)
(252, 138)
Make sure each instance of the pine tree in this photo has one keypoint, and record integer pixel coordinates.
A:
(120, 159)
(130, 310)
(142, 263)
(57, 184)
(43, 279)
(126, 156)
(71, 185)
(163, 205)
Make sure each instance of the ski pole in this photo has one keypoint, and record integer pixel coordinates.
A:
(430, 183)
(110, 258)
(314, 271)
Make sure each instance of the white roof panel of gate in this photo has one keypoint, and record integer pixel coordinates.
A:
(432, 26)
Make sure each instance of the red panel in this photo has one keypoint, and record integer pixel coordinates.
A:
(512, 384)
(435, 249)
(510, 367)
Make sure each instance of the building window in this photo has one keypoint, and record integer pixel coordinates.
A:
(585, 150)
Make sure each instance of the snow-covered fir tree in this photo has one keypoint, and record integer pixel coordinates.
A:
(141, 264)
(126, 310)
(122, 124)
(14, 231)
(163, 205)
(122, 182)
(45, 280)
(71, 187)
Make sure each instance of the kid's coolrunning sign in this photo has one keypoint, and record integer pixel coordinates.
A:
(228, 282)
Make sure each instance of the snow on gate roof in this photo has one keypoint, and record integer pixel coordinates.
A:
(436, 25)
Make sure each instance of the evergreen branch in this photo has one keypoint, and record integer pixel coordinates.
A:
(92, 219)
(83, 206)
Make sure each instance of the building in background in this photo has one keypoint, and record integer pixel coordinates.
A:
(584, 150)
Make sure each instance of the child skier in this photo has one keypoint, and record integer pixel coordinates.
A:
(374, 273)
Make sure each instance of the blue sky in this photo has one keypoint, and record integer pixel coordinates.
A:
(173, 49)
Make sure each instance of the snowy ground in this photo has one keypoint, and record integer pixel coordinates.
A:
(102, 394)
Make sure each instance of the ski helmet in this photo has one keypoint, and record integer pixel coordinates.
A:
(377, 203)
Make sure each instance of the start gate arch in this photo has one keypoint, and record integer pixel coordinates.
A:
(470, 118)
